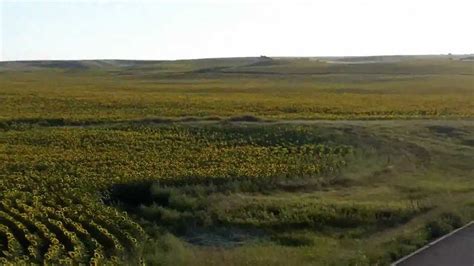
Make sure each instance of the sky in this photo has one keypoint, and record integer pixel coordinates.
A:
(186, 29)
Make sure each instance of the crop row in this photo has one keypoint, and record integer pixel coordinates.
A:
(53, 181)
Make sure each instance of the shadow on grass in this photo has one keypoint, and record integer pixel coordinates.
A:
(25, 123)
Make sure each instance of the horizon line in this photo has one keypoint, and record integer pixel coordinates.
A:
(235, 57)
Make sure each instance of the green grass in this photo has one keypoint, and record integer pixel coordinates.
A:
(369, 191)
(220, 161)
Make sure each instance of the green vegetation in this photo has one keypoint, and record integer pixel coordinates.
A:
(92, 91)
(207, 162)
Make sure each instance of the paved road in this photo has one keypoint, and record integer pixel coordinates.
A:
(455, 249)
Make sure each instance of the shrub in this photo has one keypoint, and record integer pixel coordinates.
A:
(443, 225)
(166, 250)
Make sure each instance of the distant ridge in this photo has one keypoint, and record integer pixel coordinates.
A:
(262, 65)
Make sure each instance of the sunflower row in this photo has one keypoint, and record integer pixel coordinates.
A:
(53, 181)
(41, 233)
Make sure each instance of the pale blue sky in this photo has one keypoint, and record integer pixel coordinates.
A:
(106, 29)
